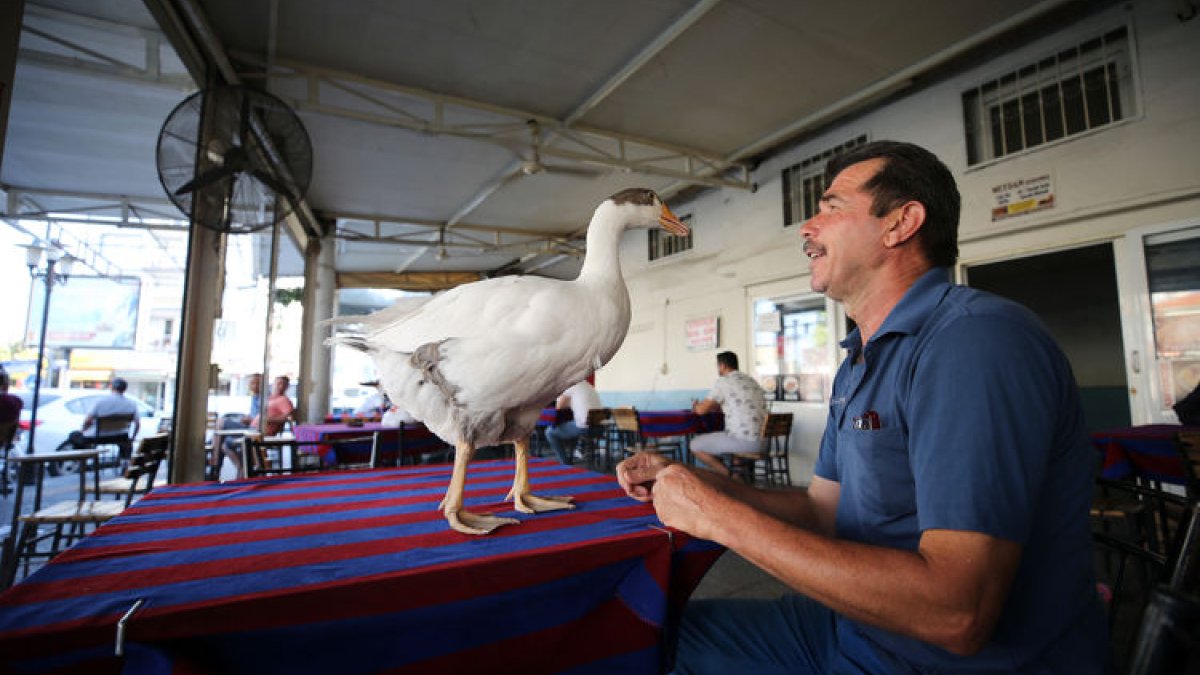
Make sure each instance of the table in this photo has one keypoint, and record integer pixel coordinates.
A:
(357, 572)
(1147, 451)
(413, 437)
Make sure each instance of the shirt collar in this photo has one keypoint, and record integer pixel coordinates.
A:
(912, 311)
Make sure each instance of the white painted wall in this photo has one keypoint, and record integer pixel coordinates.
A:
(1141, 172)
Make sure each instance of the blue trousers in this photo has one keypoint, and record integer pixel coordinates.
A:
(562, 435)
(792, 634)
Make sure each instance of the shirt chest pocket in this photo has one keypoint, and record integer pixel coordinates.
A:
(875, 473)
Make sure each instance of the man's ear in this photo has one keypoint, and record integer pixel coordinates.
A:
(907, 221)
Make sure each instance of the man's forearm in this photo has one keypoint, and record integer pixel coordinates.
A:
(791, 506)
(924, 594)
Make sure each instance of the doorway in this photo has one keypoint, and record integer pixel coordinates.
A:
(1074, 292)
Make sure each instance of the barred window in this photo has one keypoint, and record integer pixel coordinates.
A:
(804, 183)
(663, 243)
(1087, 86)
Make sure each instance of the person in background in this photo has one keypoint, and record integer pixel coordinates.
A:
(376, 404)
(231, 447)
(116, 403)
(946, 528)
(279, 407)
(10, 405)
(741, 399)
(579, 398)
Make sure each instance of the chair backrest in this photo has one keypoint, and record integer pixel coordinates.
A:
(113, 425)
(626, 419)
(777, 424)
(150, 454)
(597, 416)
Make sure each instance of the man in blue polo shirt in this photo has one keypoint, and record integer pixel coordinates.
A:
(946, 528)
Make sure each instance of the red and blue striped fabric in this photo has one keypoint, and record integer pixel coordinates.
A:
(1148, 451)
(661, 423)
(357, 572)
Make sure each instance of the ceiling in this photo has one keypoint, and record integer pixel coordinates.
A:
(422, 112)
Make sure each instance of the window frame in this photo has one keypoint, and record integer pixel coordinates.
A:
(990, 96)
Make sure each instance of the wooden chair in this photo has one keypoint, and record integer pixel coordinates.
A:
(113, 431)
(264, 456)
(770, 466)
(1168, 639)
(1160, 551)
(70, 521)
(627, 436)
(150, 454)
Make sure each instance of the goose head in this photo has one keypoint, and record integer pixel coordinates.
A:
(640, 208)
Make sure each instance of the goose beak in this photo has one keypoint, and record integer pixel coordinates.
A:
(672, 224)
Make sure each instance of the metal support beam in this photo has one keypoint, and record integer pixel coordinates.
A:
(436, 114)
(10, 29)
(320, 294)
(202, 291)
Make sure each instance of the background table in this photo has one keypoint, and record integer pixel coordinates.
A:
(414, 438)
(357, 572)
(1147, 451)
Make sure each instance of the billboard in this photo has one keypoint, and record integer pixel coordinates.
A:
(97, 312)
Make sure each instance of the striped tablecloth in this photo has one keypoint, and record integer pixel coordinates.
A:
(1148, 451)
(357, 572)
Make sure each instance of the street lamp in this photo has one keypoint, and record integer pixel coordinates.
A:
(54, 257)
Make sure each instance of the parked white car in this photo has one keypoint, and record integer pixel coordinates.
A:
(61, 411)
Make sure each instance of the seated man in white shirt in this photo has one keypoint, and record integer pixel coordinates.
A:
(114, 404)
(741, 399)
(580, 398)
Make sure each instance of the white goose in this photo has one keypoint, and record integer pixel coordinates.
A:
(477, 363)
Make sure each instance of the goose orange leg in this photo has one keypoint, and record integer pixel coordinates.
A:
(465, 521)
(525, 502)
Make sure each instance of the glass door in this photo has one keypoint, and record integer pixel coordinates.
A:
(1161, 307)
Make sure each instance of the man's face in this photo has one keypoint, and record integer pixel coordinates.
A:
(279, 386)
(254, 384)
(844, 241)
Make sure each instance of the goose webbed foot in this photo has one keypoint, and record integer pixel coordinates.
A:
(474, 523)
(531, 503)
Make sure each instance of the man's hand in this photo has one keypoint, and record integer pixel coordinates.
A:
(686, 500)
(636, 474)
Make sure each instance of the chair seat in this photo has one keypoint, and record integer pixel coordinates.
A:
(121, 486)
(75, 512)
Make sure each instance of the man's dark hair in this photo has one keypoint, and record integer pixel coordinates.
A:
(728, 359)
(911, 173)
(119, 385)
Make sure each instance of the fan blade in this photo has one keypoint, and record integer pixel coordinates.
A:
(273, 183)
(204, 180)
